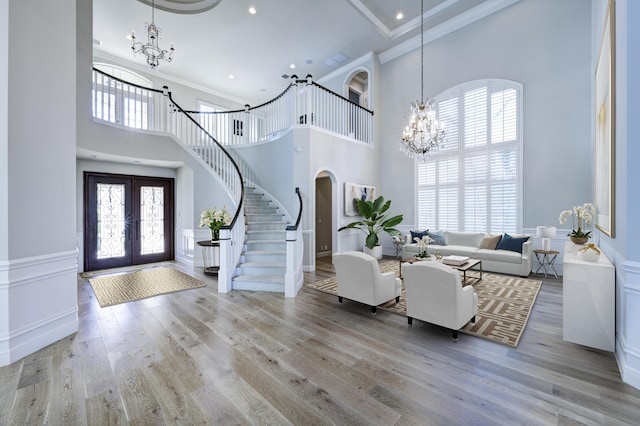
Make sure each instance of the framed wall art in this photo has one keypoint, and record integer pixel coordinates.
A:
(354, 191)
(605, 127)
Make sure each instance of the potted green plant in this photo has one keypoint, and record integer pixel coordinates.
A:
(375, 219)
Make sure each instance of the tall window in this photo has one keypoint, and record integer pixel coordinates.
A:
(117, 102)
(474, 182)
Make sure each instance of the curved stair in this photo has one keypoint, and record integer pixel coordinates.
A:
(262, 264)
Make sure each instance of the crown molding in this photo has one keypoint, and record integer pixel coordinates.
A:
(454, 24)
(404, 28)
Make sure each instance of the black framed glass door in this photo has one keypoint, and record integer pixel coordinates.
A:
(128, 220)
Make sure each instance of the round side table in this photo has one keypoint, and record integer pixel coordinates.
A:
(210, 253)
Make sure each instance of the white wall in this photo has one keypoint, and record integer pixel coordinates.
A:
(543, 44)
(271, 163)
(38, 287)
(623, 249)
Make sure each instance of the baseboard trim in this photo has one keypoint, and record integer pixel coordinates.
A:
(35, 337)
(629, 375)
(41, 296)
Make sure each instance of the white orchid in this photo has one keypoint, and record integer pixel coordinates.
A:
(582, 215)
(423, 242)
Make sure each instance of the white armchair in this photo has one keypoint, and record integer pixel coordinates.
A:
(359, 279)
(435, 295)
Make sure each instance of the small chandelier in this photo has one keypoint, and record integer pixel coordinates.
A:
(424, 135)
(151, 50)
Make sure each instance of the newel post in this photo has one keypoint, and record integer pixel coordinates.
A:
(226, 269)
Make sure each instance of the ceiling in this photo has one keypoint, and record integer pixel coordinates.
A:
(218, 38)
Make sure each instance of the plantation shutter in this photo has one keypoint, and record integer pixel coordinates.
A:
(474, 184)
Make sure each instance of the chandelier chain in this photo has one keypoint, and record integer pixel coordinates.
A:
(422, 51)
(424, 135)
(152, 49)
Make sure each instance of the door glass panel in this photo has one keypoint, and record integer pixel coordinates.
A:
(111, 220)
(151, 219)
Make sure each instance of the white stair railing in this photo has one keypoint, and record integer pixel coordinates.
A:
(137, 108)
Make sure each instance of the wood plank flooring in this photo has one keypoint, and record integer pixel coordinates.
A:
(199, 357)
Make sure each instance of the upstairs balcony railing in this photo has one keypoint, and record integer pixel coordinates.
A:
(303, 102)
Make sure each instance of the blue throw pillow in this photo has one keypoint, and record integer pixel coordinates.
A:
(437, 237)
(417, 234)
(507, 242)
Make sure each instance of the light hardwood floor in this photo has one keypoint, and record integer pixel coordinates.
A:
(199, 357)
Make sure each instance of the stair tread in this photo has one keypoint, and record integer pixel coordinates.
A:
(275, 251)
(272, 222)
(265, 264)
(279, 279)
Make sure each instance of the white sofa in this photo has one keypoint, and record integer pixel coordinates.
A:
(469, 244)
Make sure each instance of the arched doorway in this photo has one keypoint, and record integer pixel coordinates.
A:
(323, 215)
(357, 88)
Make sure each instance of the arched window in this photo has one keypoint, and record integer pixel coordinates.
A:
(474, 183)
(118, 102)
(123, 74)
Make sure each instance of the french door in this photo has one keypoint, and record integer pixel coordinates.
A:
(128, 220)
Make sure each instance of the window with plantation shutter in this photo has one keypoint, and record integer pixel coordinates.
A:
(473, 183)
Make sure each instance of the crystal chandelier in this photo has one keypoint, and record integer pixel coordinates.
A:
(151, 50)
(424, 135)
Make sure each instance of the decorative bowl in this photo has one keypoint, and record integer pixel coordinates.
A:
(589, 253)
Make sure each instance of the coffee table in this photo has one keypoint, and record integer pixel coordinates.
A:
(470, 263)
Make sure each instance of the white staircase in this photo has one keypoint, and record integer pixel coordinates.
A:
(262, 264)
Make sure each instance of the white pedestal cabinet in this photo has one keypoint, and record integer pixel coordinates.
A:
(589, 303)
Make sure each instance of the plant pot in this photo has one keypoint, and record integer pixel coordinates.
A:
(579, 240)
(374, 252)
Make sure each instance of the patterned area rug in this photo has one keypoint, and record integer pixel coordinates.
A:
(114, 289)
(504, 303)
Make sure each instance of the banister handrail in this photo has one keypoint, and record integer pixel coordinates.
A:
(340, 96)
(245, 109)
(297, 224)
(233, 162)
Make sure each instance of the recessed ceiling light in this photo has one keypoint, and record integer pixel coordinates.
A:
(399, 16)
(292, 66)
(231, 77)
(252, 10)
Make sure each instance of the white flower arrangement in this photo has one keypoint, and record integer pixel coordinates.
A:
(214, 219)
(423, 243)
(580, 215)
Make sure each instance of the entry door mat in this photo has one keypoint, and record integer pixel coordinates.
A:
(121, 288)
(504, 303)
